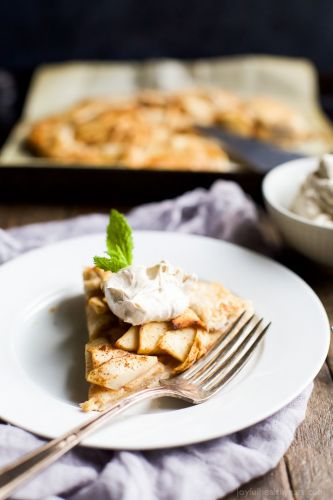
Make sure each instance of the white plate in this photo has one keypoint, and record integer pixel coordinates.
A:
(42, 329)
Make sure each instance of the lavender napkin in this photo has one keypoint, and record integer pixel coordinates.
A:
(200, 472)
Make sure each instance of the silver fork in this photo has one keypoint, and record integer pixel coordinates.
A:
(196, 385)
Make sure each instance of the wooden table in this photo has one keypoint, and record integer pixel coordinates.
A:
(306, 470)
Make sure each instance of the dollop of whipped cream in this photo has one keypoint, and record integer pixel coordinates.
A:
(315, 198)
(139, 294)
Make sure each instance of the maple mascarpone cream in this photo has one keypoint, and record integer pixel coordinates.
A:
(315, 198)
(139, 294)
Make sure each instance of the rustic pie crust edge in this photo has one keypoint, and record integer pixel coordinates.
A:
(121, 359)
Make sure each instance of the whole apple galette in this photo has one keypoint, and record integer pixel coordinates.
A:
(146, 323)
(155, 129)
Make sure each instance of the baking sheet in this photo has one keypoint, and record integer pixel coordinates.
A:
(57, 86)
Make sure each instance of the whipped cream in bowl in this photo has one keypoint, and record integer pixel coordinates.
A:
(298, 197)
(314, 200)
(138, 294)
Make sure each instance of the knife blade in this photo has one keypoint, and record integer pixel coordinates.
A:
(257, 155)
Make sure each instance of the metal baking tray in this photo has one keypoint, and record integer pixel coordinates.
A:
(57, 86)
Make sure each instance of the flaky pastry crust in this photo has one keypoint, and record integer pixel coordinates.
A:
(156, 130)
(121, 359)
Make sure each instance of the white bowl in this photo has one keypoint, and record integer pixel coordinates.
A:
(280, 187)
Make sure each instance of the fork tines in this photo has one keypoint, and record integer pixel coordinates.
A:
(228, 355)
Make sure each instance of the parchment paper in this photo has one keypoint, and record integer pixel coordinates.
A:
(57, 86)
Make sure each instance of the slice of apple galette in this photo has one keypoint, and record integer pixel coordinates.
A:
(146, 323)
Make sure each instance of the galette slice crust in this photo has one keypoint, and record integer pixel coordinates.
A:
(121, 359)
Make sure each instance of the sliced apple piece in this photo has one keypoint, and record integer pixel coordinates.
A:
(148, 379)
(187, 319)
(130, 340)
(119, 371)
(100, 357)
(100, 398)
(149, 337)
(99, 351)
(192, 357)
(177, 343)
(199, 347)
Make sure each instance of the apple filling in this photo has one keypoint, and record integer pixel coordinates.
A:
(121, 359)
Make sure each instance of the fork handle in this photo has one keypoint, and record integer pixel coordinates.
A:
(15, 474)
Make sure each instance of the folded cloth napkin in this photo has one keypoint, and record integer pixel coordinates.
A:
(199, 472)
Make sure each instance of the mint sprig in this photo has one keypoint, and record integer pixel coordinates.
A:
(119, 244)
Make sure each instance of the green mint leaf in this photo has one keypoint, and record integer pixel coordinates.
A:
(103, 262)
(119, 234)
(119, 244)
